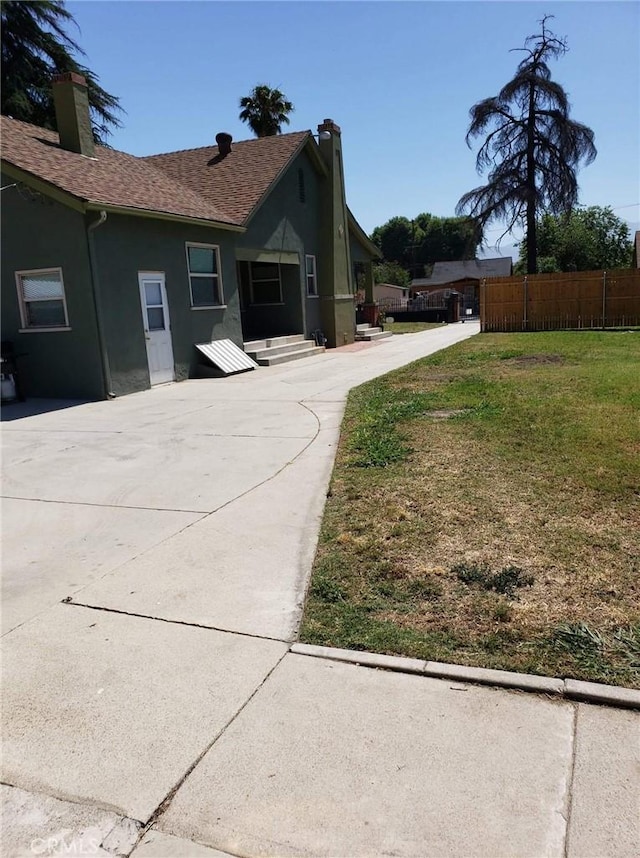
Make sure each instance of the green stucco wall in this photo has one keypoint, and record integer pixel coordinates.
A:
(125, 246)
(43, 233)
(40, 233)
(285, 223)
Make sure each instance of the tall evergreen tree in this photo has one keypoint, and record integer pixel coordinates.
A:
(532, 149)
(36, 46)
(265, 110)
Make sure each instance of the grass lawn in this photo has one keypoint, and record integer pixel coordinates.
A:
(410, 327)
(485, 510)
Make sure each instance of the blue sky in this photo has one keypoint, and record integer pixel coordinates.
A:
(398, 77)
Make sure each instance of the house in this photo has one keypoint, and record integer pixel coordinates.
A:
(635, 263)
(388, 294)
(115, 267)
(464, 277)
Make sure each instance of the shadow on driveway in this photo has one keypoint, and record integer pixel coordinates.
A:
(17, 410)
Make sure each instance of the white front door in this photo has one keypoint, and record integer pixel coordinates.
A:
(157, 331)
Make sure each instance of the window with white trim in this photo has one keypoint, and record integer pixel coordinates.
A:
(42, 300)
(266, 287)
(203, 264)
(312, 279)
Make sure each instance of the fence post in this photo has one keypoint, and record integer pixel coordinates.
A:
(524, 309)
(483, 304)
(604, 299)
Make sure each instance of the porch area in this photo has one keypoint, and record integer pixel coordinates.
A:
(271, 297)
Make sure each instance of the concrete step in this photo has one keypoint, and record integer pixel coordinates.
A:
(373, 334)
(364, 326)
(285, 357)
(272, 342)
(272, 351)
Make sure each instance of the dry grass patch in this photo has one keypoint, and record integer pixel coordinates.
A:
(503, 532)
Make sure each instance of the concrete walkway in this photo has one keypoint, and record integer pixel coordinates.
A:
(156, 553)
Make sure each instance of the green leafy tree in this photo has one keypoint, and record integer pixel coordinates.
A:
(391, 272)
(265, 110)
(532, 148)
(396, 238)
(447, 239)
(414, 244)
(36, 46)
(586, 239)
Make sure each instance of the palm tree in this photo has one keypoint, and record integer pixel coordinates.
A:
(35, 46)
(532, 149)
(265, 110)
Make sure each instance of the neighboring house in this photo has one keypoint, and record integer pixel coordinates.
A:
(636, 250)
(389, 293)
(464, 277)
(114, 267)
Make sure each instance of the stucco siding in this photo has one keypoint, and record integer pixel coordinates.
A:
(38, 233)
(288, 222)
(126, 246)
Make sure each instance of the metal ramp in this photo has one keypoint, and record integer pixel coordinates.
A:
(226, 356)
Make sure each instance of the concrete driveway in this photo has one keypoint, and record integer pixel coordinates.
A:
(156, 554)
(196, 502)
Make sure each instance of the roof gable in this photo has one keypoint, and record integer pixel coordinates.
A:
(239, 180)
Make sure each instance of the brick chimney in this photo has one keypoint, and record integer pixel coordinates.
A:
(71, 100)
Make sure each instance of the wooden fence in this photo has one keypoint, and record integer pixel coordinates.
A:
(553, 302)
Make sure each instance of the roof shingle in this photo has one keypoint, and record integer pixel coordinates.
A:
(238, 180)
(197, 183)
(472, 269)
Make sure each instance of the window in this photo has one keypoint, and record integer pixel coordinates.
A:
(312, 280)
(265, 283)
(41, 297)
(154, 304)
(302, 194)
(204, 278)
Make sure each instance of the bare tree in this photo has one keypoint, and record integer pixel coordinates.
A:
(532, 149)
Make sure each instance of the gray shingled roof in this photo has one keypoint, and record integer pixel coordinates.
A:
(468, 269)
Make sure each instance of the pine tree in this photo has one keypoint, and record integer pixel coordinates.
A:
(36, 46)
(532, 149)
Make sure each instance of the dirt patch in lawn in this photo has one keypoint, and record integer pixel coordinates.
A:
(533, 360)
(444, 413)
